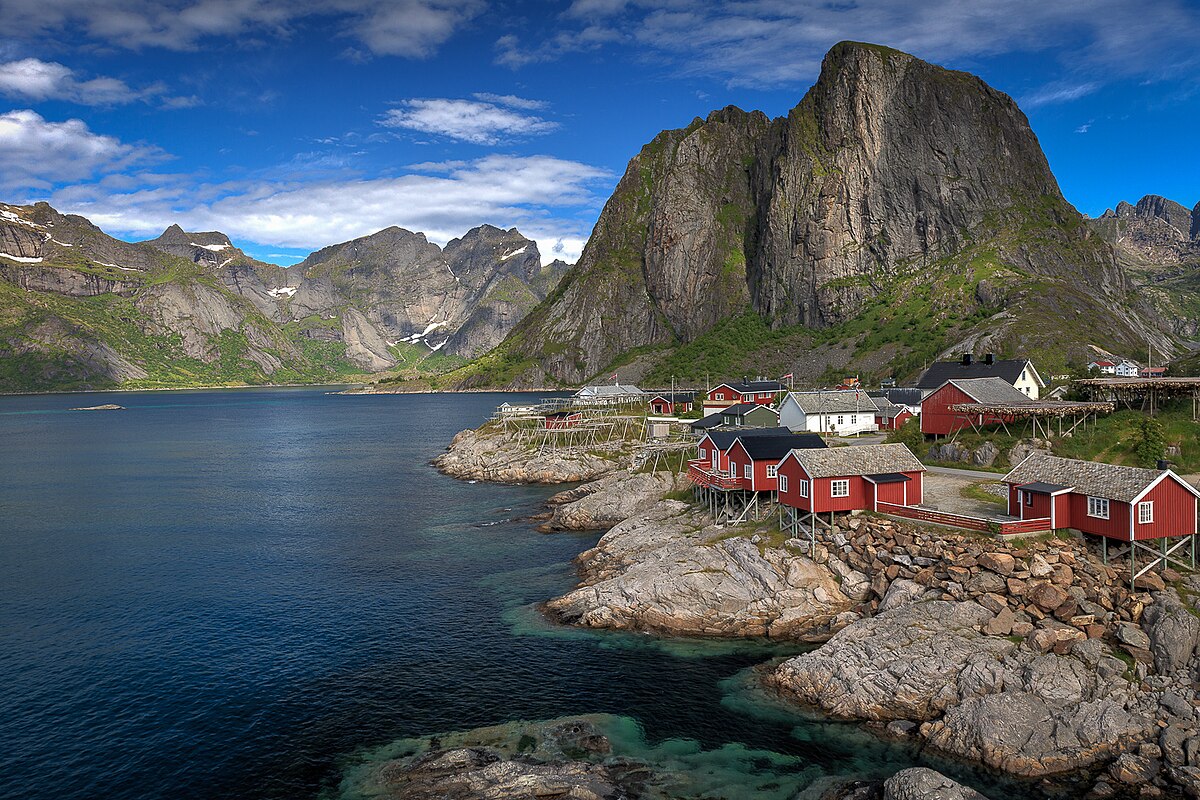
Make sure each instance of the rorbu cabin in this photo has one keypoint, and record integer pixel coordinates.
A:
(755, 459)
(750, 415)
(838, 479)
(712, 452)
(889, 416)
(560, 420)
(939, 418)
(666, 403)
(1109, 500)
(758, 392)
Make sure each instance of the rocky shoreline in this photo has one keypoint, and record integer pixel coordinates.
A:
(1032, 658)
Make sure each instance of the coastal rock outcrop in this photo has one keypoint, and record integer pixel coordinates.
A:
(981, 697)
(492, 454)
(660, 571)
(610, 500)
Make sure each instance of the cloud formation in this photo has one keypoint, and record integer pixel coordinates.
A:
(474, 121)
(36, 153)
(778, 42)
(36, 80)
(408, 28)
(551, 200)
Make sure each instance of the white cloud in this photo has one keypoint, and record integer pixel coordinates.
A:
(32, 79)
(512, 101)
(1059, 93)
(466, 120)
(409, 28)
(35, 152)
(1084, 128)
(551, 200)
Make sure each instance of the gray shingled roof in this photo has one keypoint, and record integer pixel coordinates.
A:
(1093, 478)
(868, 459)
(991, 390)
(837, 401)
(940, 372)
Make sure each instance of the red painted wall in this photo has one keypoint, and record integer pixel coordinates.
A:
(1174, 512)
(795, 473)
(937, 418)
(1115, 527)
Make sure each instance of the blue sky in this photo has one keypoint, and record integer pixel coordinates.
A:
(293, 124)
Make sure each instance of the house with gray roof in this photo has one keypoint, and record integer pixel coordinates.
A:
(838, 411)
(866, 477)
(1018, 373)
(1130, 504)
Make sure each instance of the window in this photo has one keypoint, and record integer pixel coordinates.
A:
(703, 454)
(839, 488)
(1146, 512)
(772, 471)
(841, 419)
(783, 486)
(746, 471)
(1098, 507)
(804, 488)
(1028, 498)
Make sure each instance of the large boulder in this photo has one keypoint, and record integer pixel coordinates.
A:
(1025, 734)
(905, 663)
(922, 783)
(612, 499)
(1173, 633)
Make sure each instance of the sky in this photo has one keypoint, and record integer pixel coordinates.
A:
(295, 124)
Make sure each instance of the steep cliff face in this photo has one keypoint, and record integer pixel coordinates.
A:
(1158, 242)
(894, 184)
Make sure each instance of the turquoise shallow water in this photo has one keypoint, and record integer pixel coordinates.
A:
(243, 593)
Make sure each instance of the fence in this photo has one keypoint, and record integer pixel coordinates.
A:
(966, 522)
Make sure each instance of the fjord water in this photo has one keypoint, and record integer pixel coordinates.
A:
(242, 593)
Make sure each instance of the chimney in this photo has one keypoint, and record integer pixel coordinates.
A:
(967, 358)
(1163, 464)
(989, 359)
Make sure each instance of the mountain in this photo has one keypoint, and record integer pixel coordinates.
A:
(1158, 242)
(81, 309)
(900, 211)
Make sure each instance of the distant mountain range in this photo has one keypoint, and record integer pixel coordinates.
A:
(81, 309)
(898, 213)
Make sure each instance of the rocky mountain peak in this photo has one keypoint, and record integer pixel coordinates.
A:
(891, 176)
(1196, 222)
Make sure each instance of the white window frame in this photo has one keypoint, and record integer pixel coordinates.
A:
(803, 488)
(747, 471)
(772, 470)
(841, 420)
(841, 483)
(854, 419)
(1146, 512)
(783, 483)
(1098, 507)
(703, 454)
(1028, 498)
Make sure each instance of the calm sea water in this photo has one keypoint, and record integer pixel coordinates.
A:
(241, 593)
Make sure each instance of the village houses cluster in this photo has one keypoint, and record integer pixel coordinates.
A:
(762, 447)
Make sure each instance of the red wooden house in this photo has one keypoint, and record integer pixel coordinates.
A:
(863, 478)
(666, 403)
(762, 393)
(1109, 500)
(889, 416)
(712, 452)
(937, 417)
(755, 459)
(562, 419)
